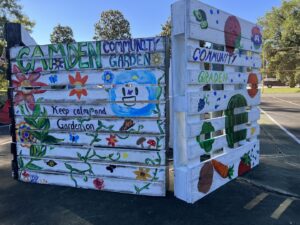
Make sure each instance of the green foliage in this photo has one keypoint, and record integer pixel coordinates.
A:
(61, 34)
(112, 25)
(166, 28)
(10, 11)
(281, 42)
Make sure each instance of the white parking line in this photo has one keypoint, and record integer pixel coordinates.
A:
(281, 208)
(256, 201)
(280, 126)
(4, 143)
(286, 101)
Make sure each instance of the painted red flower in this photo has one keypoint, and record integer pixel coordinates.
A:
(112, 140)
(25, 174)
(151, 142)
(98, 183)
(78, 81)
(27, 81)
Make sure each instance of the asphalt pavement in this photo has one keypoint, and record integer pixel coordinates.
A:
(269, 194)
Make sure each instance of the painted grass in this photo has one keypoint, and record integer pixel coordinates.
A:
(285, 90)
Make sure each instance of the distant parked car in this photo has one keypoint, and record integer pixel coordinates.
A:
(270, 82)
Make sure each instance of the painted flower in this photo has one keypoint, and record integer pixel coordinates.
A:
(78, 82)
(156, 59)
(112, 140)
(142, 174)
(107, 77)
(27, 81)
(26, 176)
(34, 178)
(98, 183)
(125, 155)
(128, 123)
(151, 143)
(58, 63)
(23, 134)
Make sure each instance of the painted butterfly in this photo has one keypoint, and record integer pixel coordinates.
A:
(73, 138)
(111, 168)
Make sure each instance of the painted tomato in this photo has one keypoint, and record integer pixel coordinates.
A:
(253, 81)
(233, 33)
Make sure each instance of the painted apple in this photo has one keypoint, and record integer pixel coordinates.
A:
(233, 34)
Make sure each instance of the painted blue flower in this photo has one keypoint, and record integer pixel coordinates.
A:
(58, 63)
(53, 79)
(107, 77)
(73, 138)
(201, 104)
(33, 178)
(218, 11)
(211, 11)
(215, 93)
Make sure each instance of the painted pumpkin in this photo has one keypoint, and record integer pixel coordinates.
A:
(232, 119)
(233, 34)
(253, 81)
(206, 177)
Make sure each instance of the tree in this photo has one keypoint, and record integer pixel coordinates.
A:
(10, 11)
(112, 25)
(166, 31)
(166, 28)
(61, 34)
(281, 42)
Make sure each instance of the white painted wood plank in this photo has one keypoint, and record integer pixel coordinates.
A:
(92, 124)
(103, 139)
(195, 150)
(109, 155)
(202, 77)
(204, 178)
(95, 77)
(204, 55)
(125, 96)
(210, 101)
(99, 110)
(216, 19)
(151, 44)
(194, 128)
(113, 170)
(95, 182)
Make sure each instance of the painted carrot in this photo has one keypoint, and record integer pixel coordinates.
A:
(223, 170)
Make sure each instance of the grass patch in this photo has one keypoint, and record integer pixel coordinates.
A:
(285, 90)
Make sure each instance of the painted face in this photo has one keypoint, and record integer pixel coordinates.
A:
(130, 94)
(132, 91)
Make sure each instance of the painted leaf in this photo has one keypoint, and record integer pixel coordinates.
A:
(32, 166)
(51, 140)
(206, 177)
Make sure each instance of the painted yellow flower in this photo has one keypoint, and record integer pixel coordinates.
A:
(156, 59)
(142, 174)
(125, 155)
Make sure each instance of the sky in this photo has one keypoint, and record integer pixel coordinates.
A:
(145, 16)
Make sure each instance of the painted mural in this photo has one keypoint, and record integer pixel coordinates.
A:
(81, 123)
(216, 111)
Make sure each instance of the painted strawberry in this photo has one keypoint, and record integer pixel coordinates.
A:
(233, 34)
(245, 164)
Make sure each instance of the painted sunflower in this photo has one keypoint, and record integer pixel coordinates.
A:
(142, 174)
